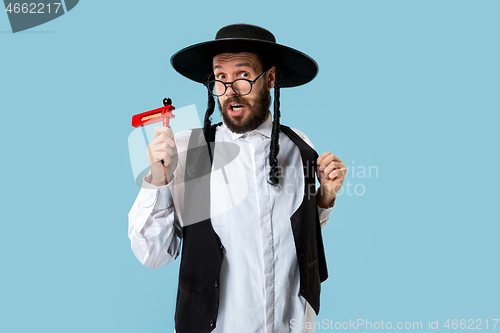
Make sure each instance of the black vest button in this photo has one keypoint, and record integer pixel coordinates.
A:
(222, 247)
(216, 284)
(211, 322)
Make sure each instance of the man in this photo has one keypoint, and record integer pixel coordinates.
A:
(252, 254)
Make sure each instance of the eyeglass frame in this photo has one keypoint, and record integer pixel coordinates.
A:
(232, 87)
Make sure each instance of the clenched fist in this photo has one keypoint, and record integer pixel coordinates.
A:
(331, 173)
(162, 156)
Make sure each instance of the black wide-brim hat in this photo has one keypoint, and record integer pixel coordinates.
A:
(195, 62)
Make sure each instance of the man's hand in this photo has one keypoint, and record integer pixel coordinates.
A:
(162, 148)
(331, 172)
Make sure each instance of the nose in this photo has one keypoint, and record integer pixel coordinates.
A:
(229, 90)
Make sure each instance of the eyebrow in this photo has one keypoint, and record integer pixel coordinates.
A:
(243, 64)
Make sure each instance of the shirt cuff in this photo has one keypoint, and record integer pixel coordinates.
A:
(160, 196)
(324, 214)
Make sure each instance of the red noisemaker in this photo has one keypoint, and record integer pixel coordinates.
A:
(150, 117)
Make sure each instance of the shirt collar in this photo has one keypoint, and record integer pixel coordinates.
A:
(265, 129)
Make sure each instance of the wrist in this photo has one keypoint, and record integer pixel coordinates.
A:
(154, 181)
(159, 182)
(323, 200)
(326, 205)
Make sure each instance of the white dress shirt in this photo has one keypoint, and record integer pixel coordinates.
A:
(259, 280)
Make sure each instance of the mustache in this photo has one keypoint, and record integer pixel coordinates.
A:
(234, 99)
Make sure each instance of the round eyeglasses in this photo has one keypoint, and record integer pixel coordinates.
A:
(241, 87)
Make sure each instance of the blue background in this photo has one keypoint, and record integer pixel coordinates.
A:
(411, 87)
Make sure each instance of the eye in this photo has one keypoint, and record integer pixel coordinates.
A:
(221, 76)
(244, 75)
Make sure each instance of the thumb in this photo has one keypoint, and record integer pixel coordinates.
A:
(321, 175)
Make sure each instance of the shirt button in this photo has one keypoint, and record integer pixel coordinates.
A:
(216, 284)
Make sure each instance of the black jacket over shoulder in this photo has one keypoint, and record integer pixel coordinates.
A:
(203, 253)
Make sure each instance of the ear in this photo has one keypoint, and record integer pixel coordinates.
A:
(271, 77)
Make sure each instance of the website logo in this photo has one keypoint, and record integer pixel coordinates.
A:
(26, 15)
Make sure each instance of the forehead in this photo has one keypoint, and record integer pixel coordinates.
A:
(234, 60)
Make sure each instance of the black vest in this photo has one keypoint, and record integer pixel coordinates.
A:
(202, 251)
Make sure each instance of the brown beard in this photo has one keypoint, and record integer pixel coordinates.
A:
(258, 112)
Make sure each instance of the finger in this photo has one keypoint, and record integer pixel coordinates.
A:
(324, 163)
(170, 141)
(158, 130)
(161, 156)
(166, 159)
(156, 158)
(334, 182)
(163, 149)
(332, 166)
(340, 173)
(169, 132)
(162, 130)
(157, 146)
(167, 145)
(153, 156)
(149, 153)
(322, 157)
(163, 137)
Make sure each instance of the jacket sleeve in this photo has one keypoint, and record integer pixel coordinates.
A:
(154, 228)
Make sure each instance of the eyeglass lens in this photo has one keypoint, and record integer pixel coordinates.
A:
(241, 87)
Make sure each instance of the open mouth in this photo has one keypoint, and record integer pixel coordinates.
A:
(235, 109)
